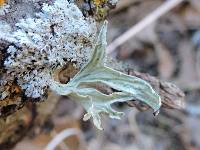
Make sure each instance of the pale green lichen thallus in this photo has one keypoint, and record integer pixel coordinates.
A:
(60, 34)
(95, 71)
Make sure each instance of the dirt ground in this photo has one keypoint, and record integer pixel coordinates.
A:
(168, 49)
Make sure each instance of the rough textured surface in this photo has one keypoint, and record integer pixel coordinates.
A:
(171, 96)
(99, 9)
(54, 37)
(13, 96)
(39, 40)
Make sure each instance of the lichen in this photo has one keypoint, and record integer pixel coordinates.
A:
(102, 7)
(4, 9)
(95, 71)
(59, 34)
(99, 9)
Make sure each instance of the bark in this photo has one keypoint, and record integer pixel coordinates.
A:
(171, 96)
(18, 113)
(29, 115)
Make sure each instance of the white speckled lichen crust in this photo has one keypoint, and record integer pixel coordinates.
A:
(59, 34)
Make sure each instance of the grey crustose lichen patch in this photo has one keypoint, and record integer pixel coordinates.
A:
(57, 35)
(46, 42)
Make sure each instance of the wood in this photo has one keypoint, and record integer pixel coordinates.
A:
(172, 97)
(19, 114)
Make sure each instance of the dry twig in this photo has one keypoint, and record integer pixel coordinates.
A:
(163, 9)
(63, 135)
(171, 96)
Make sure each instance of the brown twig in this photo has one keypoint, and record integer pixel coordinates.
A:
(172, 97)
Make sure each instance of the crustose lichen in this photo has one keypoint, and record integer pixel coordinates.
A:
(59, 35)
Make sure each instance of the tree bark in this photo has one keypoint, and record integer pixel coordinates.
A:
(18, 113)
